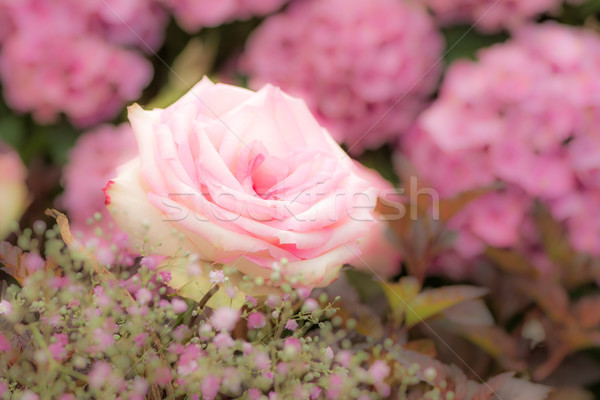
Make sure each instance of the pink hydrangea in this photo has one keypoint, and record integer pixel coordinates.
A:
(92, 163)
(195, 14)
(525, 114)
(491, 15)
(139, 23)
(365, 67)
(63, 57)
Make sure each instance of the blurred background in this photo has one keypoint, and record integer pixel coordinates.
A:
(494, 104)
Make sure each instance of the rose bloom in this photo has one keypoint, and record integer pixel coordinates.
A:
(13, 191)
(243, 178)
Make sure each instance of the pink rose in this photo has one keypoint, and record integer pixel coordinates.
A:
(243, 178)
(13, 198)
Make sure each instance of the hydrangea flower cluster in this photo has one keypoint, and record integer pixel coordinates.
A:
(526, 114)
(93, 161)
(66, 56)
(491, 15)
(365, 67)
(75, 331)
(195, 14)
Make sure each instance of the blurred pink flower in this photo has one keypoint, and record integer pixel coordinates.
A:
(365, 67)
(225, 318)
(63, 56)
(195, 14)
(256, 320)
(525, 114)
(491, 15)
(93, 161)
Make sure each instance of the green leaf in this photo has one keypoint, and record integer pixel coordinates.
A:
(400, 294)
(366, 287)
(431, 302)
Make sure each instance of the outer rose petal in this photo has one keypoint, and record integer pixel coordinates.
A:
(128, 203)
(13, 191)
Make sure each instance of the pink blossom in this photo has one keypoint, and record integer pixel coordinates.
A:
(311, 304)
(292, 345)
(195, 14)
(75, 55)
(316, 49)
(262, 361)
(99, 375)
(225, 318)
(210, 387)
(525, 114)
(216, 276)
(335, 387)
(5, 307)
(92, 163)
(289, 152)
(179, 305)
(256, 320)
(251, 301)
(140, 339)
(253, 394)
(81, 76)
(188, 362)
(491, 15)
(379, 371)
(58, 349)
(4, 343)
(28, 395)
(223, 341)
(165, 276)
(291, 325)
(162, 376)
(143, 296)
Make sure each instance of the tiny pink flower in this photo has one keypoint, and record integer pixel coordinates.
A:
(291, 325)
(256, 320)
(58, 348)
(315, 392)
(292, 345)
(4, 343)
(5, 307)
(162, 376)
(179, 306)
(262, 361)
(99, 375)
(28, 395)
(216, 276)
(144, 296)
(225, 318)
(140, 339)
(251, 301)
(311, 304)
(253, 394)
(329, 353)
(223, 341)
(210, 387)
(165, 276)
